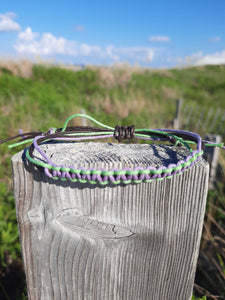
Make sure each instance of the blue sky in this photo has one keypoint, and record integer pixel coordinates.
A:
(163, 33)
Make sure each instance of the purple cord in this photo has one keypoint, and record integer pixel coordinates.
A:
(195, 135)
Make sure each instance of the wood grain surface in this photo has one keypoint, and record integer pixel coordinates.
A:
(92, 242)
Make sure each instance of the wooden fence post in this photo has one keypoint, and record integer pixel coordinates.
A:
(84, 121)
(177, 119)
(211, 155)
(125, 241)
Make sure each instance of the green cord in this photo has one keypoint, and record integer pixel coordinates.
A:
(20, 143)
(167, 134)
(88, 117)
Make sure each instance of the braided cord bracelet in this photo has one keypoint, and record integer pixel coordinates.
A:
(115, 176)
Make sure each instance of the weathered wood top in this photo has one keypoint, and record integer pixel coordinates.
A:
(109, 155)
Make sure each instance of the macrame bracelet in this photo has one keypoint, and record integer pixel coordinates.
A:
(120, 133)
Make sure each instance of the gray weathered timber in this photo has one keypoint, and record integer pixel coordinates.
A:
(133, 242)
(177, 119)
(211, 155)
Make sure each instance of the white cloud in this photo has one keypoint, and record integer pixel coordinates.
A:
(141, 54)
(199, 59)
(88, 50)
(111, 53)
(7, 24)
(45, 44)
(27, 35)
(211, 59)
(159, 39)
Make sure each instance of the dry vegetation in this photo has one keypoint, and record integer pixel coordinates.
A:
(23, 67)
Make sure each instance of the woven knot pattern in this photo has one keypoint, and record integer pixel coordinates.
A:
(115, 176)
(124, 176)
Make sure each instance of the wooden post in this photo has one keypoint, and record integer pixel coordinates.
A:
(134, 241)
(83, 120)
(177, 119)
(211, 155)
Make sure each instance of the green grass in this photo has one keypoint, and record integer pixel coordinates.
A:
(142, 97)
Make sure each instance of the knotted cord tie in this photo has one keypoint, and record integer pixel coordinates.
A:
(124, 132)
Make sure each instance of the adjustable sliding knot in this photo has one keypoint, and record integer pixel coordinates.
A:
(124, 132)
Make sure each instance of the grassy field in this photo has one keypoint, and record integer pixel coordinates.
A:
(37, 97)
